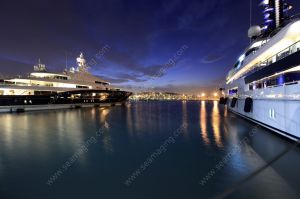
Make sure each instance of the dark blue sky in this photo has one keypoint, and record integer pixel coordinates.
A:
(142, 36)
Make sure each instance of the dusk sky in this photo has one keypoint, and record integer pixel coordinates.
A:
(142, 36)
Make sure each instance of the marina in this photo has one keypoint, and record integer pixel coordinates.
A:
(150, 99)
(109, 144)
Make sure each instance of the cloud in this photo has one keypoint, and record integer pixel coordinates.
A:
(113, 80)
(126, 61)
(131, 77)
(153, 71)
(124, 78)
(212, 58)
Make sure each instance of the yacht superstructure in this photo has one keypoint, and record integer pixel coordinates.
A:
(264, 84)
(75, 87)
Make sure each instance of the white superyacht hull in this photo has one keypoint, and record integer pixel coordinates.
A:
(276, 108)
(264, 83)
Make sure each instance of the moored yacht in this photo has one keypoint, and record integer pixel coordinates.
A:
(264, 84)
(73, 88)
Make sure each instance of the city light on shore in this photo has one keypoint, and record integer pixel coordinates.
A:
(172, 96)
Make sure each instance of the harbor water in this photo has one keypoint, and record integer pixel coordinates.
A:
(176, 149)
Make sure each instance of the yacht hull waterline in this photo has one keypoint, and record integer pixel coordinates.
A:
(43, 90)
(264, 84)
(60, 101)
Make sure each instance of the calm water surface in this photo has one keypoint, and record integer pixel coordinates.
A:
(166, 149)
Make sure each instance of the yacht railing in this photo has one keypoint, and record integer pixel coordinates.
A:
(275, 58)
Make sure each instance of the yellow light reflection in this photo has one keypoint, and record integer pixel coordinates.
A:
(106, 140)
(103, 114)
(203, 125)
(129, 118)
(225, 112)
(216, 124)
(7, 130)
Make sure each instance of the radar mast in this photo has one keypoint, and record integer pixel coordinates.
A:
(81, 64)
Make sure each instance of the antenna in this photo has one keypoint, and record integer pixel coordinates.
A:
(40, 67)
(250, 18)
(250, 13)
(66, 53)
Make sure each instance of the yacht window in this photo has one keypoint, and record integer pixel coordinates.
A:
(79, 86)
(61, 77)
(232, 91)
(297, 46)
(283, 79)
(8, 82)
(250, 87)
(236, 65)
(283, 54)
(103, 83)
(250, 51)
(43, 92)
(258, 85)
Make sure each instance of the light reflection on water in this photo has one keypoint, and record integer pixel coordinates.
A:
(33, 145)
(107, 140)
(216, 124)
(129, 119)
(203, 123)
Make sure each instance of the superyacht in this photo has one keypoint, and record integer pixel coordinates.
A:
(74, 88)
(264, 84)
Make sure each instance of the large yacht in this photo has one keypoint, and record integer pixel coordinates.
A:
(264, 84)
(73, 88)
